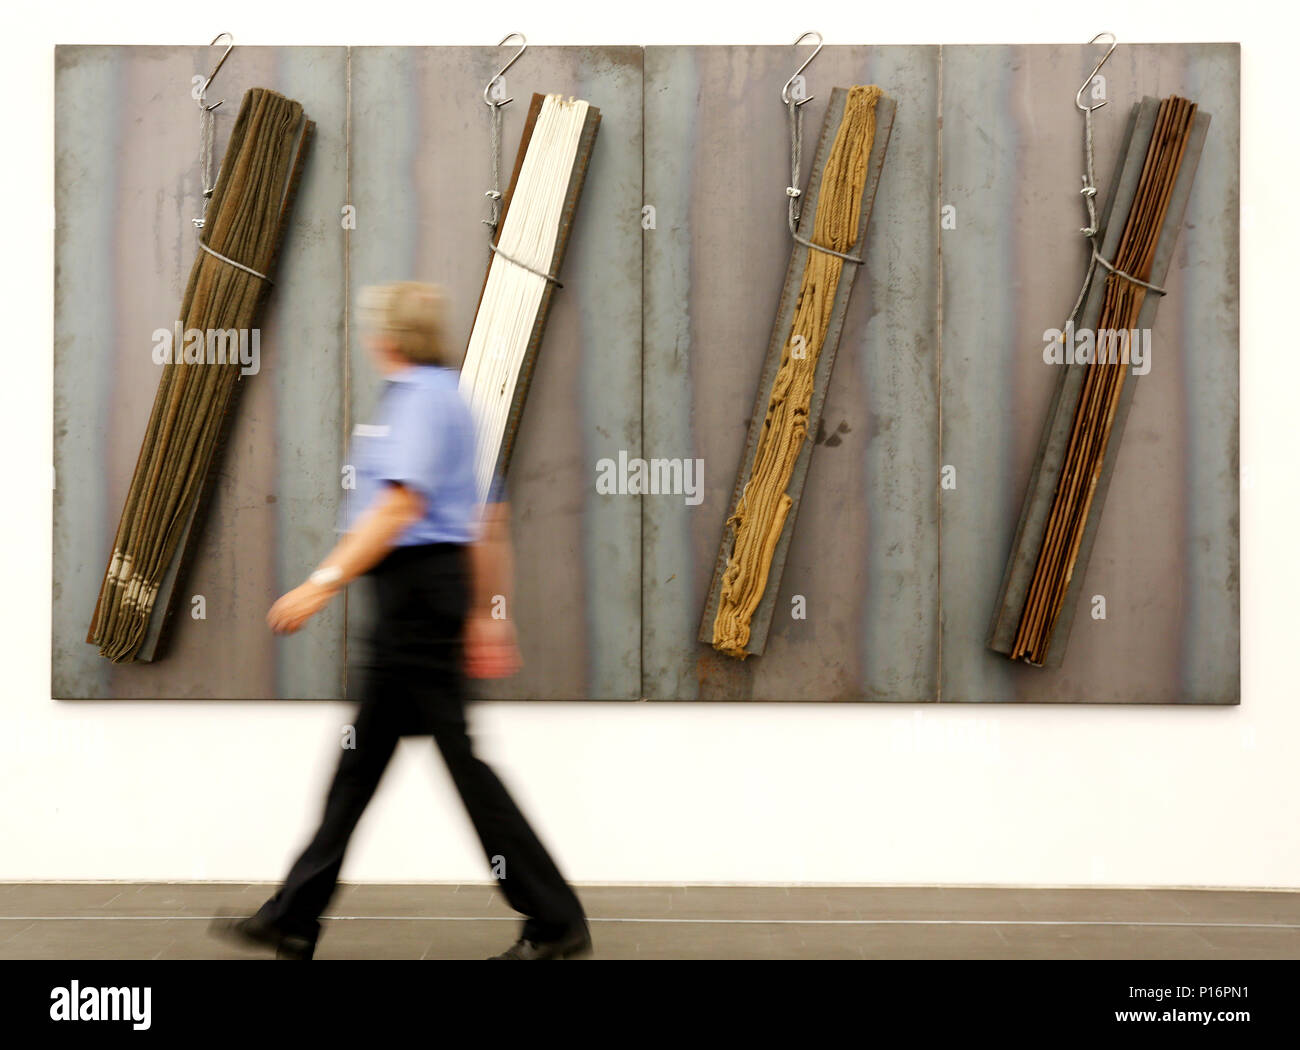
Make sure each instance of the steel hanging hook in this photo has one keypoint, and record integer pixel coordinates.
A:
(1093, 75)
(207, 123)
(785, 91)
(215, 70)
(523, 46)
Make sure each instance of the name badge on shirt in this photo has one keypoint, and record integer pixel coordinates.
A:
(371, 430)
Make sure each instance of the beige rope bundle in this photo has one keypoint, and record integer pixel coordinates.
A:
(761, 511)
(240, 240)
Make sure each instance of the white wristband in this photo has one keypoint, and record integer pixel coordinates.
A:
(326, 577)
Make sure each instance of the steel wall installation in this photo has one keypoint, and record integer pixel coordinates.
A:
(653, 349)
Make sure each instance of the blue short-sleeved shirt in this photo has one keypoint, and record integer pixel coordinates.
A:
(422, 438)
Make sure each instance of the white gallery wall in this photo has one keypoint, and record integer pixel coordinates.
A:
(1028, 795)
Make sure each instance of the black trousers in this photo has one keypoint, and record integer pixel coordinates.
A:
(414, 684)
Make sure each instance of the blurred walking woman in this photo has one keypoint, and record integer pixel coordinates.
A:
(437, 558)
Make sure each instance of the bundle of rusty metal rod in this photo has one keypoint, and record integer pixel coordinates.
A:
(1103, 383)
(238, 245)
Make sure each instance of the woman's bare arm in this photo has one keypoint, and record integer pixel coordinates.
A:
(376, 532)
(493, 564)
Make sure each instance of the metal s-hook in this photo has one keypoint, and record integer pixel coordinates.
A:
(494, 194)
(785, 91)
(1093, 75)
(792, 191)
(203, 91)
(523, 46)
(1089, 193)
(207, 125)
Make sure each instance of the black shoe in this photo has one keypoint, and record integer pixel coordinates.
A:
(573, 944)
(253, 932)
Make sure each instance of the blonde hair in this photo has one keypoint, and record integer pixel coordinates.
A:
(412, 315)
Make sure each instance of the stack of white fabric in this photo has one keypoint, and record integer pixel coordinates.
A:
(513, 293)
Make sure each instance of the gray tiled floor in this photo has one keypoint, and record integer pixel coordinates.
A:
(169, 921)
